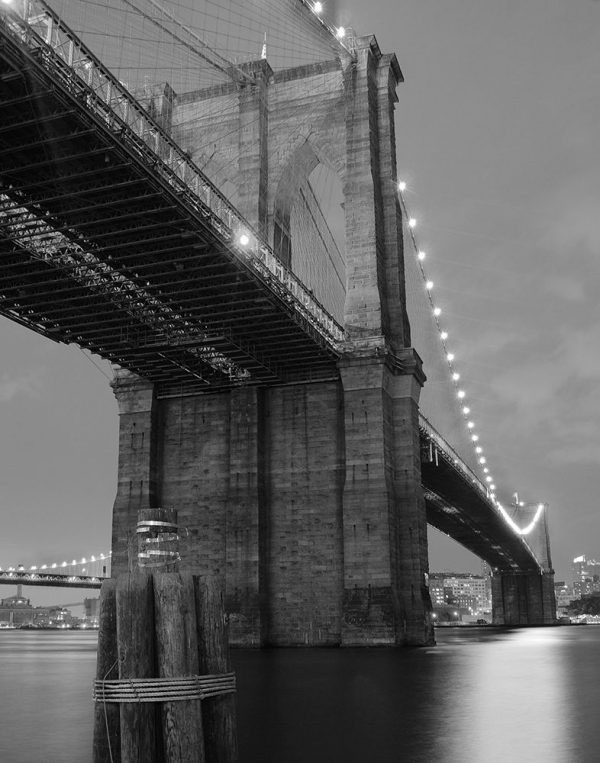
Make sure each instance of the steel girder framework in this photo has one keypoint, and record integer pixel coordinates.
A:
(100, 249)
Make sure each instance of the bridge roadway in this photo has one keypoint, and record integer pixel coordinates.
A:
(458, 504)
(107, 245)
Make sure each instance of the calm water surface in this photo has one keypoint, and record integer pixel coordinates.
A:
(481, 695)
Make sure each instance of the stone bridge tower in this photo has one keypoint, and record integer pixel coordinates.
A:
(305, 499)
(527, 598)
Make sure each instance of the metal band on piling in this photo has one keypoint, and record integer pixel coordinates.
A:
(164, 689)
(158, 539)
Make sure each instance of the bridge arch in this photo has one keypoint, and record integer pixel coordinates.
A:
(304, 235)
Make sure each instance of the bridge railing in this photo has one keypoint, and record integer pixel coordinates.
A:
(42, 30)
(451, 455)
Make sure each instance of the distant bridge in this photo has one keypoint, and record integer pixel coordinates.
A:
(86, 572)
(50, 579)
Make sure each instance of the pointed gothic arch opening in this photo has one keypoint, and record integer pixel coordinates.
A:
(309, 227)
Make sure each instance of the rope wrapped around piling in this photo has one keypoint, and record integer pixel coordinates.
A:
(163, 689)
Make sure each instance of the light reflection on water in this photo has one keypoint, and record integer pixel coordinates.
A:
(480, 696)
(46, 696)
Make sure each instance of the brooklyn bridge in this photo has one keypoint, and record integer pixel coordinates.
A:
(273, 349)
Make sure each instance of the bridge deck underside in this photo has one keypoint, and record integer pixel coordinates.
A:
(456, 507)
(137, 276)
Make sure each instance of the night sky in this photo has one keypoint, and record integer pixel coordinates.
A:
(497, 133)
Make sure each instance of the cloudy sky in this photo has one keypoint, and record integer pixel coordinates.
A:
(497, 131)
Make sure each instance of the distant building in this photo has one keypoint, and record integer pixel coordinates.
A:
(586, 576)
(563, 594)
(91, 610)
(436, 590)
(17, 611)
(472, 594)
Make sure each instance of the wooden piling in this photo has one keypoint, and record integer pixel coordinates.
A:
(218, 713)
(157, 624)
(107, 723)
(135, 646)
(181, 720)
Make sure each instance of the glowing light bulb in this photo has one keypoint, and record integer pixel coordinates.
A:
(488, 478)
(429, 285)
(244, 239)
(460, 394)
(470, 424)
(482, 460)
(466, 410)
(437, 311)
(318, 7)
(444, 336)
(412, 223)
(402, 186)
(485, 470)
(492, 487)
(455, 376)
(478, 449)
(421, 256)
(341, 33)
(450, 357)
(474, 437)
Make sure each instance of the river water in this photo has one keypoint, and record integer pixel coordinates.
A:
(482, 695)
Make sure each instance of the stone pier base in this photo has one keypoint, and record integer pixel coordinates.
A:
(303, 500)
(523, 598)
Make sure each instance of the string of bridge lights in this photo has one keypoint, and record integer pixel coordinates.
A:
(455, 377)
(57, 566)
(317, 8)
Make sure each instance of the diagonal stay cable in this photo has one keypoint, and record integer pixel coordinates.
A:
(210, 56)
